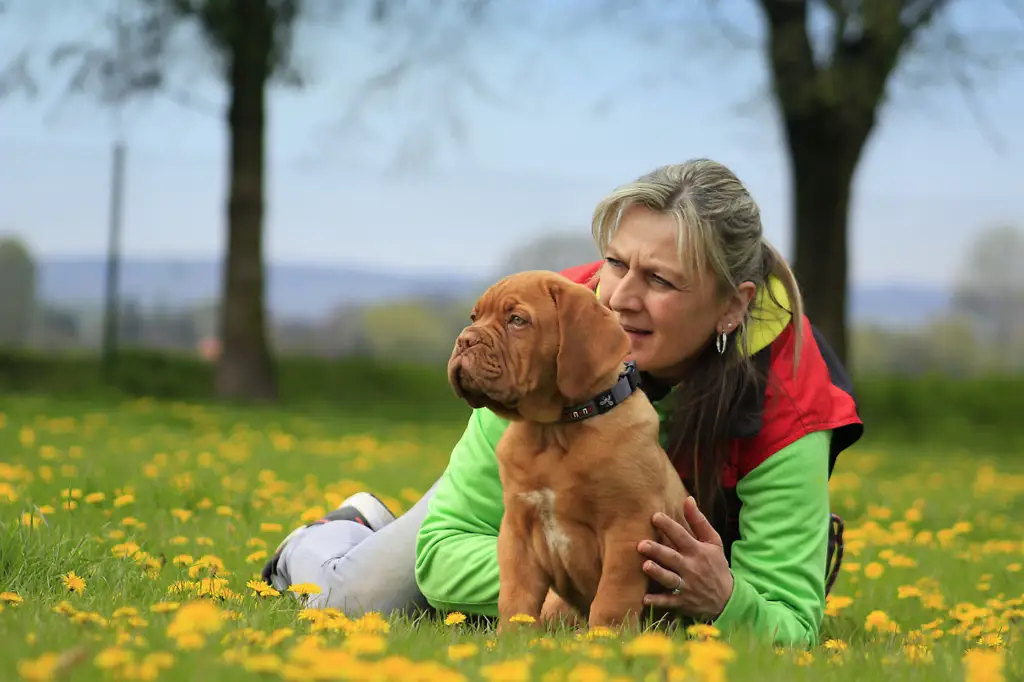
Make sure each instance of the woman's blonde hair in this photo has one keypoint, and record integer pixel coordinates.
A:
(719, 227)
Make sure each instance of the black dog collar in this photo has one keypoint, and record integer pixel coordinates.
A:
(627, 384)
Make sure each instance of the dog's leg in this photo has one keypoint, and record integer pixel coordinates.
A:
(556, 611)
(523, 582)
(623, 584)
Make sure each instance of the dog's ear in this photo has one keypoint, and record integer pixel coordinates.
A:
(591, 343)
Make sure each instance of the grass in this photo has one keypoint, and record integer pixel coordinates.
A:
(144, 501)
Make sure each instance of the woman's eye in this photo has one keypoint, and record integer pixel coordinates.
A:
(661, 282)
(613, 262)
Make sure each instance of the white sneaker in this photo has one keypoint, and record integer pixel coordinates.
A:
(363, 507)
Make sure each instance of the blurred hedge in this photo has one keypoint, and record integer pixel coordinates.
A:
(929, 408)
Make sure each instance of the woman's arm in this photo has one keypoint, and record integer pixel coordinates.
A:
(457, 545)
(778, 564)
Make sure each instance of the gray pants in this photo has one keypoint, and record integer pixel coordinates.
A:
(357, 569)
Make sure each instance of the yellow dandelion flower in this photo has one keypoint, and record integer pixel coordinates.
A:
(587, 672)
(123, 500)
(189, 641)
(365, 643)
(516, 670)
(709, 653)
(455, 618)
(984, 665)
(42, 668)
(304, 589)
(648, 644)
(458, 652)
(803, 658)
(11, 598)
(601, 632)
(261, 663)
(73, 582)
(522, 618)
(112, 657)
(702, 630)
(261, 589)
(880, 621)
(258, 555)
(159, 659)
(873, 570)
(836, 603)
(270, 527)
(95, 498)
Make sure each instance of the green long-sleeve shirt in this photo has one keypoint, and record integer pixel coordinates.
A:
(778, 563)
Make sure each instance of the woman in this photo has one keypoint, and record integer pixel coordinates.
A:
(754, 410)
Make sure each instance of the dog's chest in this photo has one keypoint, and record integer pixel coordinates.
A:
(542, 505)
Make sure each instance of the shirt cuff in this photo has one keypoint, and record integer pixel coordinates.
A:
(743, 595)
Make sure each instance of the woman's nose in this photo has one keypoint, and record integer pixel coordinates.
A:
(625, 297)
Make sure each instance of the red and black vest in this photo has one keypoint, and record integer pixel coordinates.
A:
(818, 397)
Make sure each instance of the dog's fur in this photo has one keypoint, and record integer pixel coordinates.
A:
(579, 497)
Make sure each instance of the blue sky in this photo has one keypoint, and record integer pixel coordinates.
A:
(535, 159)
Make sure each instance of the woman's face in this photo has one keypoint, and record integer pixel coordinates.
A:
(669, 317)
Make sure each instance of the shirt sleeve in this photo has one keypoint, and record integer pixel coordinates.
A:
(457, 544)
(778, 563)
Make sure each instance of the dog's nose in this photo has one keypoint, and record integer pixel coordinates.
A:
(467, 339)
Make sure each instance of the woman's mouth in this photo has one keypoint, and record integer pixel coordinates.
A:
(635, 331)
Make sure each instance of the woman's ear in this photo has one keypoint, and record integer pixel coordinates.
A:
(736, 308)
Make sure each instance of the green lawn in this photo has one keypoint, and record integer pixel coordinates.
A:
(146, 501)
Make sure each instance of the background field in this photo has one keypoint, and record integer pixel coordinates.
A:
(146, 498)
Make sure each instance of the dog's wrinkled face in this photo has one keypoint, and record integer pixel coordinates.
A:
(537, 343)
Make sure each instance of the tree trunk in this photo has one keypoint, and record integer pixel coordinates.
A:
(824, 152)
(245, 369)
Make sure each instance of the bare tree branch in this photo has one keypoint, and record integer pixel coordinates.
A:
(16, 76)
(429, 44)
(125, 65)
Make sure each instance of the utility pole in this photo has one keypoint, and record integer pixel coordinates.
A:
(112, 301)
(118, 85)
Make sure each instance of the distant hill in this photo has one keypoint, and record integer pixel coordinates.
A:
(293, 291)
(306, 292)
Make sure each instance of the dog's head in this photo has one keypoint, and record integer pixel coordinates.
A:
(537, 343)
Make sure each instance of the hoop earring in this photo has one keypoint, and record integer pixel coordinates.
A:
(721, 343)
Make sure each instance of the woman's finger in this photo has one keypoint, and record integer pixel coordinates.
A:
(666, 556)
(675, 532)
(702, 529)
(671, 602)
(669, 579)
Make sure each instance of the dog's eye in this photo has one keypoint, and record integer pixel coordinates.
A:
(517, 321)
(472, 316)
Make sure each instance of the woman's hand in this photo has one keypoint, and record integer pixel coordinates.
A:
(694, 566)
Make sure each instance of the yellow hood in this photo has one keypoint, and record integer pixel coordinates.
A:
(769, 319)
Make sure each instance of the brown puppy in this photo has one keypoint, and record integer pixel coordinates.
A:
(579, 491)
